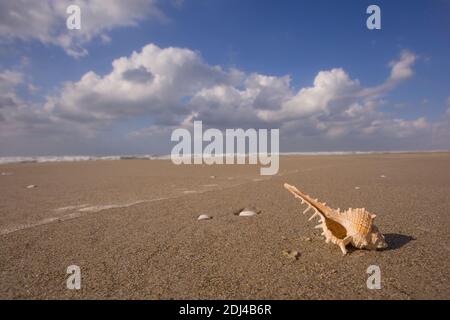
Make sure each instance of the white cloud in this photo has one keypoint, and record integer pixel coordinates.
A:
(329, 86)
(9, 79)
(401, 69)
(172, 87)
(45, 20)
(152, 82)
(397, 128)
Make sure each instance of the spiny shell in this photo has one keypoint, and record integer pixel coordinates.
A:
(354, 226)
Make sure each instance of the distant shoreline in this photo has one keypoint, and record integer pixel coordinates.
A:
(43, 159)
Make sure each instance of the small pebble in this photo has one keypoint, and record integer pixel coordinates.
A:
(212, 177)
(204, 217)
(357, 188)
(382, 176)
(307, 239)
(31, 186)
(291, 254)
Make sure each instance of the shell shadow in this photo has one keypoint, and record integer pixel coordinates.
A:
(396, 241)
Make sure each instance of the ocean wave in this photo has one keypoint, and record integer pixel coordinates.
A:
(4, 160)
(41, 159)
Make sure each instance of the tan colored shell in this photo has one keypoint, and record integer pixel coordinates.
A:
(354, 226)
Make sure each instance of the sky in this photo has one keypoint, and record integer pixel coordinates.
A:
(137, 70)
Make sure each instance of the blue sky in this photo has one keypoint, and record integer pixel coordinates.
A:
(255, 39)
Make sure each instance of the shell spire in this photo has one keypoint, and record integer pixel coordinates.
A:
(312, 203)
(353, 226)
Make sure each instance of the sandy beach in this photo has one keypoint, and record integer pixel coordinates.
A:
(131, 226)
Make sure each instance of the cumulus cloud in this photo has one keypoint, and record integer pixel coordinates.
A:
(154, 82)
(329, 86)
(172, 87)
(18, 117)
(45, 20)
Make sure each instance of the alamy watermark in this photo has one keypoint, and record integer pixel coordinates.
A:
(374, 279)
(237, 146)
(74, 280)
(374, 20)
(73, 21)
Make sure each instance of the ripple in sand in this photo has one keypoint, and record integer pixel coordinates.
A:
(68, 208)
(110, 206)
(81, 211)
(189, 191)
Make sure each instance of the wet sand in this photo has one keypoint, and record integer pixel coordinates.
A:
(131, 226)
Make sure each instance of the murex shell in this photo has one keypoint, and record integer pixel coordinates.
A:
(353, 226)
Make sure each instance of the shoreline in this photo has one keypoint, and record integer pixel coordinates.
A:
(80, 158)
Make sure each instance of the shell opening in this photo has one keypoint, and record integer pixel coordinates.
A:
(336, 228)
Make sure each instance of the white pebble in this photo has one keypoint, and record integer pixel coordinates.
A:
(31, 186)
(357, 188)
(247, 213)
(204, 217)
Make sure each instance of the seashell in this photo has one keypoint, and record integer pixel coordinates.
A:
(204, 217)
(353, 226)
(31, 186)
(247, 212)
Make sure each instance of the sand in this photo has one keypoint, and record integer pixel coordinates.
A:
(131, 226)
